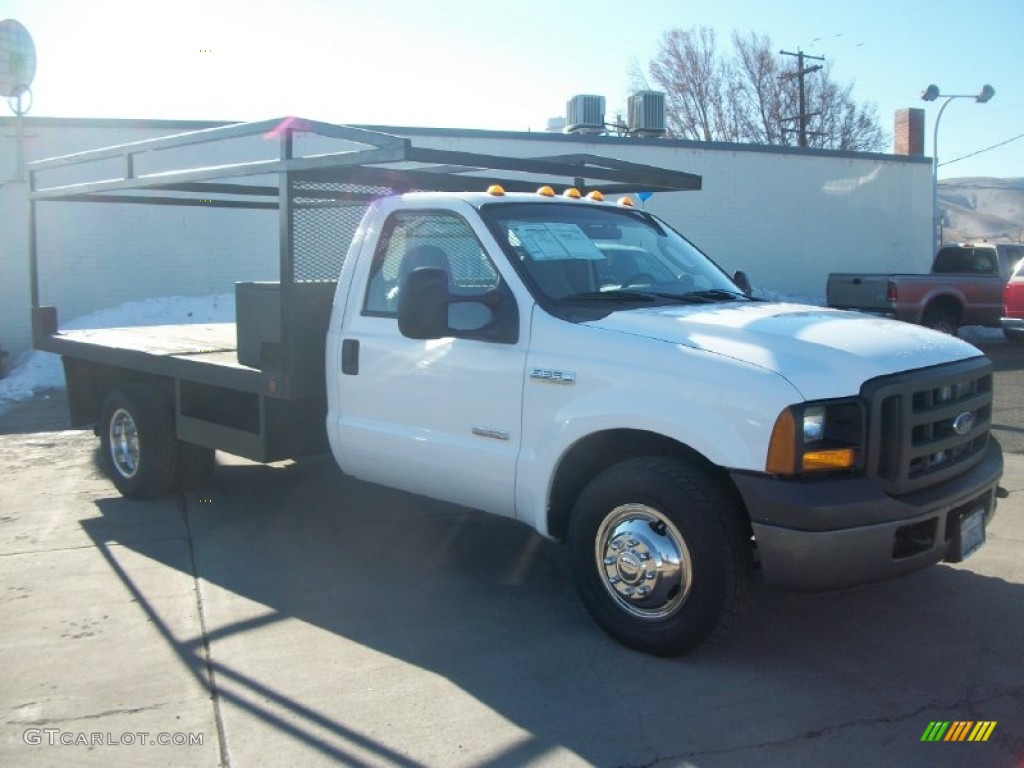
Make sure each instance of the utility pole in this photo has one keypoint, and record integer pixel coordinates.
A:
(800, 72)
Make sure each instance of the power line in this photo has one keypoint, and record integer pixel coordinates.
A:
(981, 151)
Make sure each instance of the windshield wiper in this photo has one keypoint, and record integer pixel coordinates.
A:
(709, 296)
(610, 296)
(712, 294)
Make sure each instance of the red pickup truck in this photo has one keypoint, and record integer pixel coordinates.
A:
(965, 287)
(1013, 306)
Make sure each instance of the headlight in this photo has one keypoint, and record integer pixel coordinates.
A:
(816, 437)
(814, 423)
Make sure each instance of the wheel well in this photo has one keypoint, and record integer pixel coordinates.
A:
(593, 454)
(90, 383)
(948, 304)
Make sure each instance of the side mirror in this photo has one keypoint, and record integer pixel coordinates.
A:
(428, 310)
(423, 304)
(742, 281)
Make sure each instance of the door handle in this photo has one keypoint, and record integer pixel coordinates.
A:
(350, 357)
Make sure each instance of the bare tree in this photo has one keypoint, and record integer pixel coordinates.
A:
(761, 99)
(741, 95)
(843, 123)
(695, 79)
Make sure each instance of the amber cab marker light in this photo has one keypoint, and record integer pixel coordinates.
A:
(496, 189)
(626, 201)
(546, 191)
(573, 193)
(596, 196)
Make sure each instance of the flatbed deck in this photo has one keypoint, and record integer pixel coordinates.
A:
(212, 342)
(202, 352)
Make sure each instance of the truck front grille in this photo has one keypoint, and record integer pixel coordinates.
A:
(928, 425)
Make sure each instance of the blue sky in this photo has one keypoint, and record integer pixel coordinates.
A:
(505, 64)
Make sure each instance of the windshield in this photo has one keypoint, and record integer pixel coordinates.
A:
(577, 252)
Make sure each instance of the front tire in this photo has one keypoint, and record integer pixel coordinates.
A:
(660, 555)
(138, 444)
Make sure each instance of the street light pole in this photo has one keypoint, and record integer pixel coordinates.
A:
(931, 93)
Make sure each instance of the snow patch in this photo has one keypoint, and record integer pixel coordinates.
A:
(979, 333)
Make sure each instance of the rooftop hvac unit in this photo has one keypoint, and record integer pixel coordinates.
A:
(585, 114)
(647, 113)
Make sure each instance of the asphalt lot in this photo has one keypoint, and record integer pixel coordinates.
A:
(288, 615)
(1008, 413)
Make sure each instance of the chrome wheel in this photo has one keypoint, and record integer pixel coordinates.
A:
(644, 582)
(138, 440)
(643, 561)
(124, 443)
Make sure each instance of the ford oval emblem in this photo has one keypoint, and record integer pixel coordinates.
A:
(963, 423)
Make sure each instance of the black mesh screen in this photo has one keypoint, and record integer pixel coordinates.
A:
(325, 217)
(327, 214)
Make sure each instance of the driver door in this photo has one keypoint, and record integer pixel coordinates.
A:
(439, 417)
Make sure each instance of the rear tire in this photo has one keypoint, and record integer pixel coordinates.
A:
(941, 320)
(660, 554)
(138, 444)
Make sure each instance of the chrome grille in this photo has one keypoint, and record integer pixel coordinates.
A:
(928, 425)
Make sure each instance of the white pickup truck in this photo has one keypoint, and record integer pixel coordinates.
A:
(570, 362)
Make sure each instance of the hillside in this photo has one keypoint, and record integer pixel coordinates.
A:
(982, 209)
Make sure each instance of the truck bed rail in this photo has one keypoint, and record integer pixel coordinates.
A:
(319, 178)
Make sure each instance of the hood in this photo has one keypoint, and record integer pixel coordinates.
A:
(822, 352)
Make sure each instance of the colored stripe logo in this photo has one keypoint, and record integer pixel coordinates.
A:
(959, 730)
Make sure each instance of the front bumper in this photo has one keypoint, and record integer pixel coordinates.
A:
(828, 534)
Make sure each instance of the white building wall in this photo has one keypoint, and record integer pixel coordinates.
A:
(94, 256)
(786, 217)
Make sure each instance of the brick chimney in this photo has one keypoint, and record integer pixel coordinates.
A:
(908, 138)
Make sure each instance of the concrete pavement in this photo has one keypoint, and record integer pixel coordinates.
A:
(287, 615)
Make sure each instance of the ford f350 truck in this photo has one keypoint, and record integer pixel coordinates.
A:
(558, 357)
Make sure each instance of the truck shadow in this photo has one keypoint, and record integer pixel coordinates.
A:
(489, 606)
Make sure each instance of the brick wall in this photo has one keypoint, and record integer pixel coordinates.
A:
(908, 136)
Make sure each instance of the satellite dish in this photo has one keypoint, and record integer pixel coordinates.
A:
(17, 59)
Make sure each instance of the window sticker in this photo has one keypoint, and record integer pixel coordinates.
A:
(555, 240)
